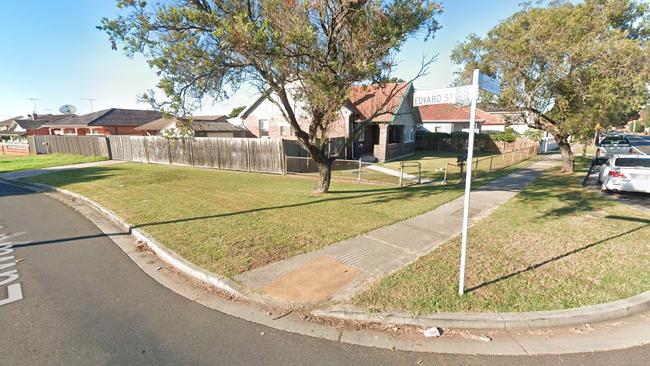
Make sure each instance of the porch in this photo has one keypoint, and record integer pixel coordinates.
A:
(385, 142)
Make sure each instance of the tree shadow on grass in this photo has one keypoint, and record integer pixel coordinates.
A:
(371, 196)
(645, 222)
(383, 195)
(574, 199)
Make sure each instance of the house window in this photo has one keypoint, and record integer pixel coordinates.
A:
(264, 127)
(395, 134)
(409, 134)
(94, 131)
(286, 131)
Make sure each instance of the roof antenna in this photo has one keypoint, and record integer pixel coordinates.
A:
(34, 101)
(91, 100)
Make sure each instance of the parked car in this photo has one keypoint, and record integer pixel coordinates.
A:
(629, 173)
(610, 146)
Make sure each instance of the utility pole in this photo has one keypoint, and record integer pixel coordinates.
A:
(91, 100)
(34, 102)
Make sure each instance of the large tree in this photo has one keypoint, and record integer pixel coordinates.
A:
(311, 51)
(569, 67)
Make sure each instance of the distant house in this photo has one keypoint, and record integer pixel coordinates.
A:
(447, 118)
(450, 118)
(505, 118)
(202, 126)
(390, 135)
(114, 121)
(18, 128)
(4, 125)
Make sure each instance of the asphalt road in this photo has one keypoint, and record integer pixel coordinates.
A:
(86, 303)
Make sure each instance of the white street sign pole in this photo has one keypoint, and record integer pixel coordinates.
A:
(468, 179)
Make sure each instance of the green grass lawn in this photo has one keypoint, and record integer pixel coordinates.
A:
(433, 163)
(15, 163)
(231, 222)
(553, 246)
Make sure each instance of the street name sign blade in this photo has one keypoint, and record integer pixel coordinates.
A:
(489, 84)
(458, 95)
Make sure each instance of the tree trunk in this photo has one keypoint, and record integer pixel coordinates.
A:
(567, 155)
(325, 176)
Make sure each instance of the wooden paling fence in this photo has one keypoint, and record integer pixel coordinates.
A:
(78, 145)
(253, 155)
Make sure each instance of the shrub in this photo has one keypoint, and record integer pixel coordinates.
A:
(508, 135)
(640, 127)
(534, 134)
(431, 135)
(459, 135)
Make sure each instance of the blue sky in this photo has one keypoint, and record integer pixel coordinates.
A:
(52, 51)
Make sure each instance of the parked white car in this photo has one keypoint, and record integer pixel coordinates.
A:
(629, 173)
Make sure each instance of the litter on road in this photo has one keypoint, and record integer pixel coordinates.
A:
(432, 332)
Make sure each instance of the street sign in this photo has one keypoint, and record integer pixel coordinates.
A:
(479, 81)
(462, 95)
(489, 84)
(459, 95)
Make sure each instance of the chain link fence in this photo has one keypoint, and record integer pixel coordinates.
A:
(350, 170)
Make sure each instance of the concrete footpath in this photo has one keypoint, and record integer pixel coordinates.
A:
(344, 269)
(128, 316)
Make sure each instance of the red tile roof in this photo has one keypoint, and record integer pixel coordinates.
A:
(489, 118)
(455, 113)
(368, 100)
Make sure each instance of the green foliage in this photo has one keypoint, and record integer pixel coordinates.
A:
(534, 134)
(313, 52)
(459, 135)
(483, 136)
(508, 135)
(569, 66)
(236, 111)
(637, 126)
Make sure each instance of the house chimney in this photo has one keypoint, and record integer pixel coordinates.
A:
(34, 116)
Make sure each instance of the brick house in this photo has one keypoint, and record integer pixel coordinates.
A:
(114, 121)
(389, 136)
(203, 126)
(18, 128)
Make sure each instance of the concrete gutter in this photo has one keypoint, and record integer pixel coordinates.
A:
(480, 321)
(506, 321)
(168, 256)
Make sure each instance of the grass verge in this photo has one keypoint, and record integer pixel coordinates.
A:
(10, 164)
(231, 222)
(553, 246)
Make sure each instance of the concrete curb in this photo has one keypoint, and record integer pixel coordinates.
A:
(168, 256)
(479, 321)
(506, 321)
